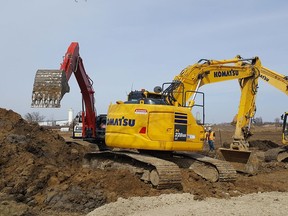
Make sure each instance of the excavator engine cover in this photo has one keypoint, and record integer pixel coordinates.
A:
(242, 161)
(49, 88)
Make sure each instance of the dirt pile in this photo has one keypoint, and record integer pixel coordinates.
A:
(262, 145)
(40, 170)
(41, 174)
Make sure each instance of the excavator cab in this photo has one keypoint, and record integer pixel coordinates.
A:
(144, 96)
(49, 88)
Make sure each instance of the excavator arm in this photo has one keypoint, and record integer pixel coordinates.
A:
(182, 90)
(51, 85)
(280, 82)
(275, 79)
(182, 93)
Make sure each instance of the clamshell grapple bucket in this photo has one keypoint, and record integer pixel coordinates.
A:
(49, 88)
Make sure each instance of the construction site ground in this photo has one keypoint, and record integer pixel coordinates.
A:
(42, 174)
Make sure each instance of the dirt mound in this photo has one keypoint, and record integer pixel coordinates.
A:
(41, 174)
(39, 169)
(262, 145)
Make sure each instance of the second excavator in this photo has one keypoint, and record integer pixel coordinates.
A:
(155, 133)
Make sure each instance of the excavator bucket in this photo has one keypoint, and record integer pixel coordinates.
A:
(242, 161)
(49, 88)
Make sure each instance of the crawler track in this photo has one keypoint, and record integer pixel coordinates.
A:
(164, 172)
(209, 168)
(279, 154)
(161, 173)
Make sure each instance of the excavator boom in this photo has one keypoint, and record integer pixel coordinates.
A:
(280, 82)
(275, 79)
(51, 85)
(246, 71)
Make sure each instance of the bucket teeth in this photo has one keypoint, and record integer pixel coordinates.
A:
(49, 88)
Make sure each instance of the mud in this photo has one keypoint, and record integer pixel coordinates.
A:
(41, 174)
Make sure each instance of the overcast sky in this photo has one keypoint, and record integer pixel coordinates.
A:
(135, 44)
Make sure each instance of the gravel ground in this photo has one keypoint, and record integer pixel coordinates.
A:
(273, 203)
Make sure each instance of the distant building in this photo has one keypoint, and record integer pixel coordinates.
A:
(61, 123)
(54, 123)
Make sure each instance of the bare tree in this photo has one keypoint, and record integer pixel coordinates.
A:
(258, 121)
(277, 122)
(34, 117)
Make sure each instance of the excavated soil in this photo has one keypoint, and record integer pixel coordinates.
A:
(41, 174)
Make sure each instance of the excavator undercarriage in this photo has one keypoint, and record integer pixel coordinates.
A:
(160, 173)
(164, 170)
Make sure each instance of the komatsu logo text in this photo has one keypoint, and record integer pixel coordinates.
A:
(264, 78)
(121, 121)
(226, 73)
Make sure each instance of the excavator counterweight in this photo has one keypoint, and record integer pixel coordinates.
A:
(49, 88)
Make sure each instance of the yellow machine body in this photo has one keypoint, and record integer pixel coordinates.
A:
(153, 127)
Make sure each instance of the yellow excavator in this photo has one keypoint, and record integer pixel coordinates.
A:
(167, 124)
(280, 82)
(155, 133)
(285, 128)
(280, 153)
